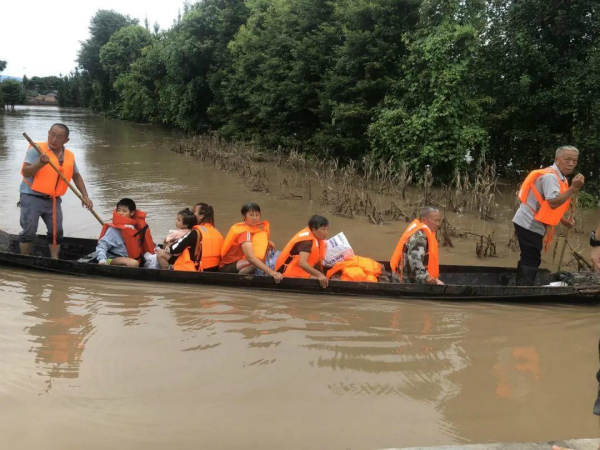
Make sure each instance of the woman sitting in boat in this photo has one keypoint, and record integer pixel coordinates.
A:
(416, 257)
(124, 241)
(185, 253)
(303, 256)
(212, 240)
(245, 246)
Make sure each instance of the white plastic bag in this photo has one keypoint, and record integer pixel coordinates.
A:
(150, 261)
(337, 249)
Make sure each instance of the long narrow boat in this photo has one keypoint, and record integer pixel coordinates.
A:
(475, 283)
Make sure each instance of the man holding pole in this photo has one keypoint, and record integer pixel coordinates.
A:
(42, 188)
(545, 197)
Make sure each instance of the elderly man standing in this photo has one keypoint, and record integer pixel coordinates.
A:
(545, 196)
(416, 257)
(42, 189)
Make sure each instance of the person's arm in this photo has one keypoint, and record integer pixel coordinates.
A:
(560, 199)
(256, 262)
(33, 162)
(595, 254)
(304, 265)
(189, 240)
(78, 180)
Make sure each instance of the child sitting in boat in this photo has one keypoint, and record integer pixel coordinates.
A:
(185, 252)
(245, 246)
(303, 256)
(212, 240)
(124, 241)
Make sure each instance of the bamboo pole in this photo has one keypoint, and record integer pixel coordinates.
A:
(568, 233)
(60, 174)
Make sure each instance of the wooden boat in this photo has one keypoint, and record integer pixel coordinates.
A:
(475, 283)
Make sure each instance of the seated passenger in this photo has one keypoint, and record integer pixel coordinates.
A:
(416, 258)
(303, 256)
(212, 240)
(124, 241)
(245, 246)
(184, 253)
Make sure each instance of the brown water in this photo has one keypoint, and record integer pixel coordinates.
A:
(93, 364)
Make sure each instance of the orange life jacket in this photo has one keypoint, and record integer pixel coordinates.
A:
(212, 242)
(288, 264)
(46, 180)
(260, 238)
(185, 262)
(357, 268)
(138, 239)
(433, 266)
(545, 214)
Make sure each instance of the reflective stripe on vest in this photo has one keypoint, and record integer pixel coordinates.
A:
(433, 266)
(288, 264)
(46, 180)
(212, 242)
(260, 238)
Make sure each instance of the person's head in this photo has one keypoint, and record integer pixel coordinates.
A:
(251, 213)
(319, 226)
(430, 216)
(58, 136)
(565, 159)
(126, 207)
(185, 219)
(204, 213)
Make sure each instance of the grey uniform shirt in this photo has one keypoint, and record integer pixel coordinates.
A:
(416, 258)
(549, 188)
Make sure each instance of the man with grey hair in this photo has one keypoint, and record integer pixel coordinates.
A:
(545, 196)
(416, 257)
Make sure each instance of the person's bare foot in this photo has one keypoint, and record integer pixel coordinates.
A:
(556, 447)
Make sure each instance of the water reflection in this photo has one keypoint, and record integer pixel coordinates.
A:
(60, 333)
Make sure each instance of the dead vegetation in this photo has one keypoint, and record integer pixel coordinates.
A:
(375, 189)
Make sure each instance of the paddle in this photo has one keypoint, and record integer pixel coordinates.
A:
(60, 174)
(568, 233)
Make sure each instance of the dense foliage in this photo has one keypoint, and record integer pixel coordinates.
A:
(428, 82)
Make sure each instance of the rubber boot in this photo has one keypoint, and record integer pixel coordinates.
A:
(526, 275)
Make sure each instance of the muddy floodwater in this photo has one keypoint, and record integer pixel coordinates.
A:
(97, 364)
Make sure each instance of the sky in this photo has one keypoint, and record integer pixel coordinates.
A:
(42, 38)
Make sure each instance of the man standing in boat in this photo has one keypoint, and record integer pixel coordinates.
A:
(416, 257)
(42, 189)
(545, 197)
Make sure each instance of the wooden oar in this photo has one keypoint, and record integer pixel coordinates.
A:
(568, 233)
(60, 174)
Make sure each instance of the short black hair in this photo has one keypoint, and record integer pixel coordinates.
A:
(317, 221)
(188, 218)
(250, 206)
(63, 126)
(207, 212)
(127, 202)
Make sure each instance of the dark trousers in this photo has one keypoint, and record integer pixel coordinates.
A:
(531, 245)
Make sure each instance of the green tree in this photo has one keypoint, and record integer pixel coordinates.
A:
(122, 49)
(99, 92)
(13, 93)
(365, 66)
(194, 49)
(271, 93)
(540, 64)
(2, 65)
(436, 116)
